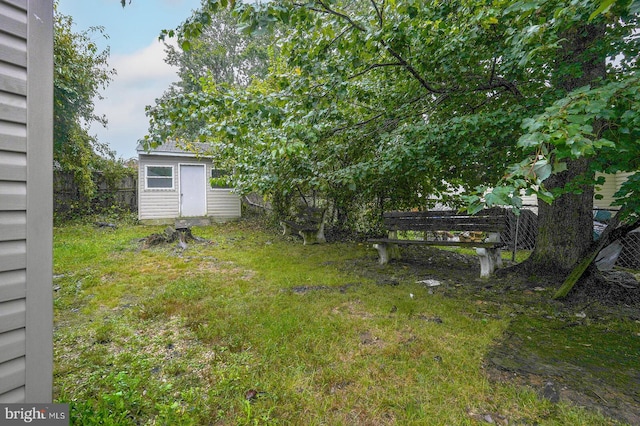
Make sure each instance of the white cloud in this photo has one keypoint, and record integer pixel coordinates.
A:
(143, 65)
(142, 77)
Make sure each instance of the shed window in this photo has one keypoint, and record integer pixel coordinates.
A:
(160, 177)
(219, 178)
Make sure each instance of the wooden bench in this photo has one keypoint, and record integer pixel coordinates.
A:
(309, 224)
(481, 231)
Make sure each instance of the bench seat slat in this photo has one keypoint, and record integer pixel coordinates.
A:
(441, 214)
(438, 243)
(485, 221)
(484, 227)
(470, 219)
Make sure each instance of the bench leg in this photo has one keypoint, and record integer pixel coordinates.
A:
(497, 257)
(286, 229)
(320, 235)
(490, 260)
(382, 253)
(312, 237)
(387, 252)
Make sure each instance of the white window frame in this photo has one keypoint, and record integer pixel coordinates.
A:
(147, 177)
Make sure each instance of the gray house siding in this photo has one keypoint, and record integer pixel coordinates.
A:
(163, 205)
(26, 131)
(612, 184)
(222, 204)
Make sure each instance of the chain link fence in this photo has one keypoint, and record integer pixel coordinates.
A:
(521, 233)
(630, 254)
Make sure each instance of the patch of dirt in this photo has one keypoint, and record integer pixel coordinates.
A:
(367, 338)
(613, 295)
(618, 290)
(303, 289)
(353, 308)
(560, 381)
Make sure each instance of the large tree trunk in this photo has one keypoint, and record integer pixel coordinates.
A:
(565, 228)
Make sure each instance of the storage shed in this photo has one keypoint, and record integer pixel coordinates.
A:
(175, 182)
(26, 206)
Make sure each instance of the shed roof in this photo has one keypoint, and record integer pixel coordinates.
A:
(176, 148)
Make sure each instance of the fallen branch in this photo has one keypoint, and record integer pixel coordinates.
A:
(611, 233)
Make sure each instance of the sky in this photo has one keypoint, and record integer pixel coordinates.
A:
(138, 57)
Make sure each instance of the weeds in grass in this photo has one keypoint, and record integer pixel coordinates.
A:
(255, 329)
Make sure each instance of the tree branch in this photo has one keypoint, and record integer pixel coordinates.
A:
(337, 37)
(493, 83)
(374, 66)
(499, 83)
(391, 121)
(612, 232)
(493, 70)
(330, 11)
(403, 62)
(378, 12)
(411, 69)
(359, 124)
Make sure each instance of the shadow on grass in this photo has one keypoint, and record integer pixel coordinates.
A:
(582, 350)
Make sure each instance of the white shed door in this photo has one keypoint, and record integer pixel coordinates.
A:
(193, 190)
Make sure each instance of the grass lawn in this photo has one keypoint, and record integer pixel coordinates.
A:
(254, 328)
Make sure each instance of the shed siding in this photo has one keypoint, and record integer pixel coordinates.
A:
(26, 131)
(222, 204)
(158, 204)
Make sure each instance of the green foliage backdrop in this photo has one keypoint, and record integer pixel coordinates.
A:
(394, 102)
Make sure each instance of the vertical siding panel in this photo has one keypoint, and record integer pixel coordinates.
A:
(13, 137)
(13, 195)
(39, 320)
(13, 199)
(26, 140)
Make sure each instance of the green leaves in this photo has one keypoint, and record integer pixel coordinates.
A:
(80, 72)
(406, 99)
(584, 123)
(541, 170)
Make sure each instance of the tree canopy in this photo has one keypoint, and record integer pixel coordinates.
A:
(218, 55)
(81, 71)
(396, 102)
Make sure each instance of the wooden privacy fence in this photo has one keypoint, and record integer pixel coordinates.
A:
(119, 193)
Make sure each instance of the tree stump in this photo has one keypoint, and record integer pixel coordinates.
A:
(170, 235)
